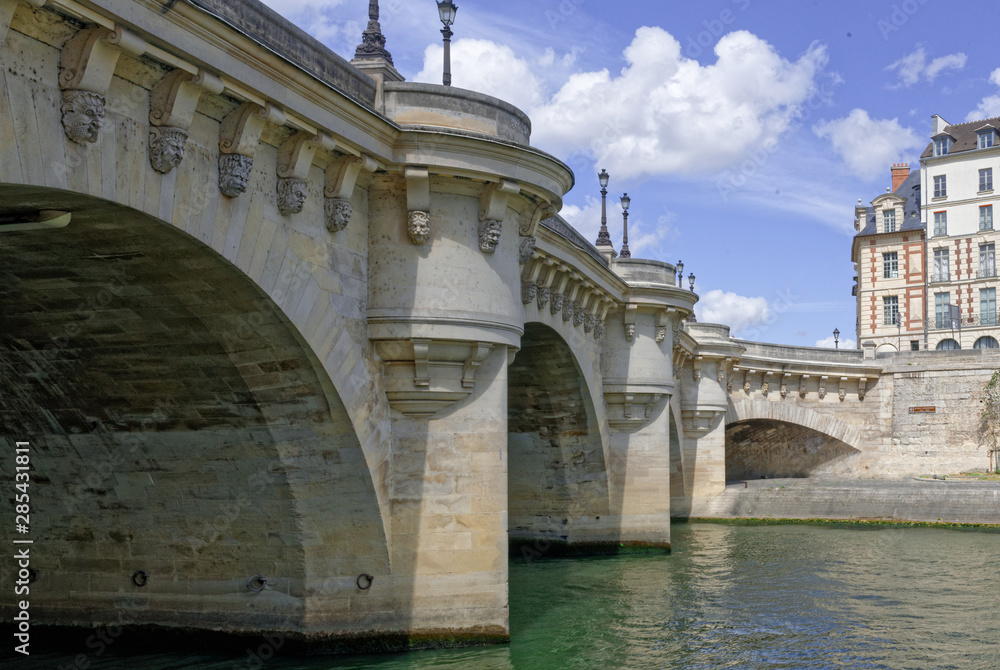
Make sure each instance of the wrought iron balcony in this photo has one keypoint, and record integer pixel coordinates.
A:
(944, 322)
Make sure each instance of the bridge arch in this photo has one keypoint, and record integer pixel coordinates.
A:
(177, 419)
(772, 439)
(558, 480)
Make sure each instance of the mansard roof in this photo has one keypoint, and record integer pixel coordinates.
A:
(909, 189)
(966, 136)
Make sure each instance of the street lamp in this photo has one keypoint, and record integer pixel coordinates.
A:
(836, 338)
(447, 10)
(603, 238)
(680, 273)
(626, 201)
(691, 280)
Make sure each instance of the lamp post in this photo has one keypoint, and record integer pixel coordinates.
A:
(836, 338)
(626, 201)
(680, 273)
(691, 281)
(447, 10)
(604, 238)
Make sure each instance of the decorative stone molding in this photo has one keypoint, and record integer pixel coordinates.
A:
(579, 315)
(337, 213)
(418, 227)
(661, 334)
(295, 155)
(822, 387)
(166, 147)
(842, 391)
(698, 423)
(557, 303)
(729, 386)
(82, 115)
(418, 204)
(599, 331)
(172, 105)
(784, 385)
(568, 310)
(529, 292)
(543, 297)
(532, 216)
(765, 385)
(87, 61)
(862, 388)
(341, 178)
(746, 384)
(589, 323)
(630, 332)
(490, 231)
(234, 174)
(629, 411)
(696, 371)
(239, 135)
(526, 249)
(292, 195)
(424, 376)
(802, 386)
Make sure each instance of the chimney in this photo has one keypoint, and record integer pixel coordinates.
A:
(900, 172)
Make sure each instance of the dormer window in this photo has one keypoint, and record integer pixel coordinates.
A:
(941, 146)
(889, 221)
(987, 138)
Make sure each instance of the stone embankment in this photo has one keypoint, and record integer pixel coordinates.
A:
(902, 500)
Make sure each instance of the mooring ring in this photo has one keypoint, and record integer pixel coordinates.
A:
(140, 578)
(257, 583)
(364, 581)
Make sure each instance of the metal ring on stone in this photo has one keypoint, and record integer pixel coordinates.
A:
(140, 578)
(364, 581)
(257, 583)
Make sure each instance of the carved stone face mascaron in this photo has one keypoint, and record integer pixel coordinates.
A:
(292, 195)
(166, 148)
(234, 174)
(419, 227)
(489, 235)
(82, 115)
(338, 213)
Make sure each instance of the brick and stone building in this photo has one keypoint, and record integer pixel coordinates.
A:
(888, 254)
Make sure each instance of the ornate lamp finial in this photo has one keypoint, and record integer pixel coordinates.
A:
(372, 40)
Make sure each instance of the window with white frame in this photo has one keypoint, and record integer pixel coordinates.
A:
(890, 310)
(986, 179)
(890, 265)
(986, 139)
(941, 146)
(986, 217)
(889, 221)
(942, 310)
(942, 269)
(941, 186)
(987, 260)
(987, 307)
(940, 223)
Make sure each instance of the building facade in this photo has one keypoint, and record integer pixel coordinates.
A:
(889, 259)
(957, 172)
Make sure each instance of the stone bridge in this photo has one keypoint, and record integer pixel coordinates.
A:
(303, 348)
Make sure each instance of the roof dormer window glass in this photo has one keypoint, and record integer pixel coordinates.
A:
(941, 146)
(889, 221)
(987, 138)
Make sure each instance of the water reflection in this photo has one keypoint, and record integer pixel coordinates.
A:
(729, 597)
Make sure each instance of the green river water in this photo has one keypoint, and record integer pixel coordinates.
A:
(789, 596)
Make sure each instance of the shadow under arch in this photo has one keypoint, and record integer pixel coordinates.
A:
(557, 474)
(784, 440)
(179, 426)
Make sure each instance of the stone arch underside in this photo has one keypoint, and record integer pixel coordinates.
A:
(178, 426)
(558, 482)
(774, 440)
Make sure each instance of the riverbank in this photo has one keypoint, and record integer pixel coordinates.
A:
(893, 500)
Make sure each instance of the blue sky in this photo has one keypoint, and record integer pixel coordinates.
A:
(744, 131)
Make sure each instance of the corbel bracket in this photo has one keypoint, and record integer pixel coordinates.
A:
(418, 189)
(342, 175)
(493, 201)
(295, 155)
(532, 216)
(174, 98)
(480, 350)
(242, 128)
(87, 61)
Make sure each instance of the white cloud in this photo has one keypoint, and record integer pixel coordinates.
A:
(667, 114)
(737, 311)
(586, 219)
(913, 67)
(829, 343)
(868, 146)
(989, 106)
(319, 19)
(486, 67)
